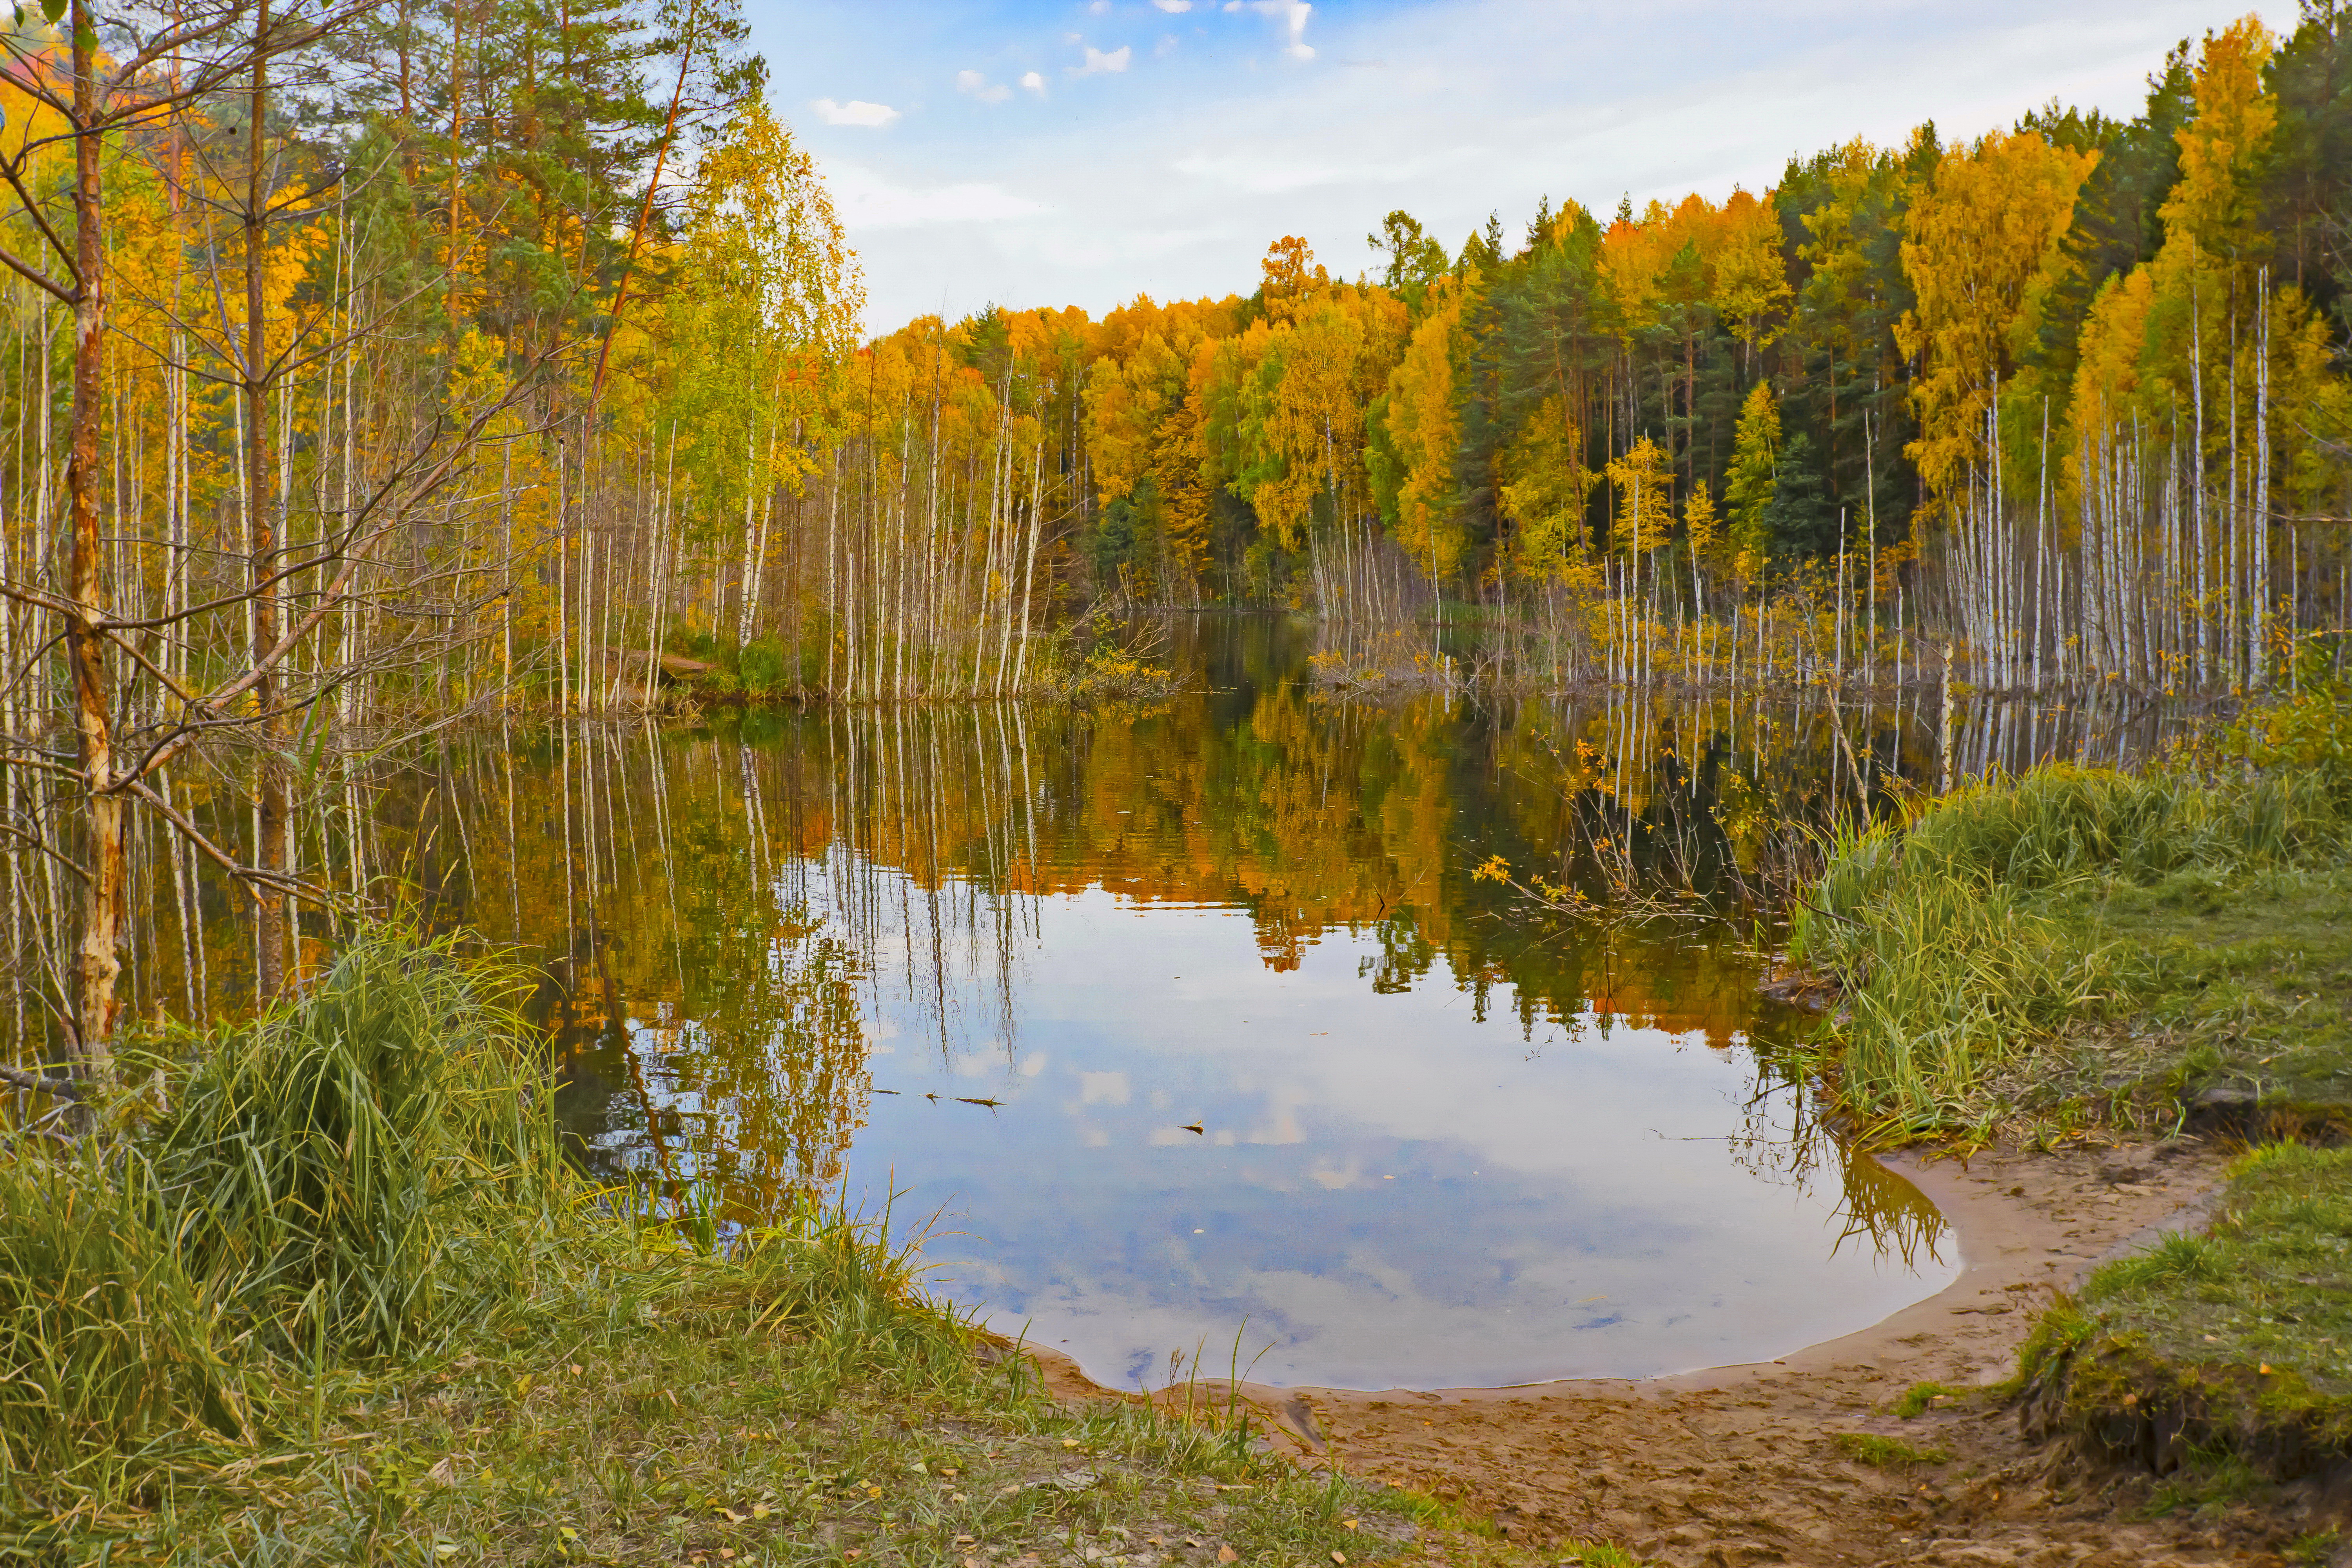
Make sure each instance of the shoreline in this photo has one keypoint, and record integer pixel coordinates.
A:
(1743, 1463)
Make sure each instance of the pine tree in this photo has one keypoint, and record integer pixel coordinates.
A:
(1747, 488)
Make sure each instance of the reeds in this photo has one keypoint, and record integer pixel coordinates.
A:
(367, 1163)
(1955, 940)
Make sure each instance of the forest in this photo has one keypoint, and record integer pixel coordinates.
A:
(371, 369)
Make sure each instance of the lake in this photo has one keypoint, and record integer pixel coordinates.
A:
(1188, 1027)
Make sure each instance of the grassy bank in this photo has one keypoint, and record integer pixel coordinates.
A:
(2077, 951)
(2228, 1347)
(325, 1288)
(2076, 945)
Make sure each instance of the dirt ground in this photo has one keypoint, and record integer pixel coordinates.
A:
(1743, 1465)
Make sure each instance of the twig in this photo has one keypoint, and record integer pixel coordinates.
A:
(59, 1087)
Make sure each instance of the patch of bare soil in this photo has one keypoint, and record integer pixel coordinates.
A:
(1745, 1464)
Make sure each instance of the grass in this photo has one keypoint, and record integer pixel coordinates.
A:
(2317, 1549)
(2074, 943)
(1888, 1453)
(2074, 947)
(1920, 1397)
(2239, 1340)
(324, 1290)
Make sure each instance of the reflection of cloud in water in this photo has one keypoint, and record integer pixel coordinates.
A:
(1389, 1191)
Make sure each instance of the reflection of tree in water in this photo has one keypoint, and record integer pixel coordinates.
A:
(726, 913)
(1784, 1138)
(771, 1081)
(1896, 1215)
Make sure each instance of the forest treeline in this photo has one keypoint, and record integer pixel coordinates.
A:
(2061, 402)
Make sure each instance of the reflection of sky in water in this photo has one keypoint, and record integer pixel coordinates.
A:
(1387, 1193)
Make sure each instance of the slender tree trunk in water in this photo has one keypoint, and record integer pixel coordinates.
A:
(832, 601)
(1029, 566)
(261, 542)
(743, 589)
(99, 964)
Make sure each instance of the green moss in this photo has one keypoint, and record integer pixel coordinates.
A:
(2257, 1314)
(2216, 1352)
(1888, 1453)
(2209, 1484)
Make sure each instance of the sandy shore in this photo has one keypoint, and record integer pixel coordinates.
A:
(1742, 1464)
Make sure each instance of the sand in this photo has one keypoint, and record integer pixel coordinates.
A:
(1742, 1465)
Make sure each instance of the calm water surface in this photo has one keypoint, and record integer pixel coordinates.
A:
(1189, 1027)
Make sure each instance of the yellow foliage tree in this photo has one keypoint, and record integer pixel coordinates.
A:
(1983, 245)
(1424, 424)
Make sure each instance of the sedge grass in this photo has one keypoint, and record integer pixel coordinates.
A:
(1978, 934)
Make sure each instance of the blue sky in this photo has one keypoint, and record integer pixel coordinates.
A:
(1080, 152)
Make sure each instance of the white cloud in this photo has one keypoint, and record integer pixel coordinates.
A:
(1098, 63)
(1174, 8)
(856, 112)
(1100, 7)
(868, 201)
(1033, 82)
(981, 87)
(1293, 15)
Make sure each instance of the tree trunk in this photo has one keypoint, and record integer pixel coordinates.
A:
(271, 854)
(99, 965)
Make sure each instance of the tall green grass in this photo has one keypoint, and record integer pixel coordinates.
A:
(1955, 943)
(372, 1175)
(370, 1168)
(369, 1165)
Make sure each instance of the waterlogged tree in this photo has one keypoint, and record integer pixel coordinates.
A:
(159, 112)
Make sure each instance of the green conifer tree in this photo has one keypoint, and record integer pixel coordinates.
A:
(1749, 485)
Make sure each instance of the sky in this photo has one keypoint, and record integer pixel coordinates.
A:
(1028, 152)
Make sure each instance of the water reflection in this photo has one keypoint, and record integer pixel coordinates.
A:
(1191, 1023)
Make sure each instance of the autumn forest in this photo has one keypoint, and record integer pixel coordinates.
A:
(371, 369)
